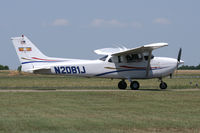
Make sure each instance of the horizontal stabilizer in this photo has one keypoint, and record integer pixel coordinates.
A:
(40, 70)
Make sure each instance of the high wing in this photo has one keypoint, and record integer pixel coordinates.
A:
(109, 51)
(124, 50)
(145, 48)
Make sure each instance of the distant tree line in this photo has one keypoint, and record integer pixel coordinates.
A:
(4, 67)
(186, 67)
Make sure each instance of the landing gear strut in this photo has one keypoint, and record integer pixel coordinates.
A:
(122, 85)
(163, 85)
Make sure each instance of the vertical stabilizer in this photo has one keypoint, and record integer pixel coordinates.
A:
(27, 52)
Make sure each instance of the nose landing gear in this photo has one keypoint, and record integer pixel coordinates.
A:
(163, 85)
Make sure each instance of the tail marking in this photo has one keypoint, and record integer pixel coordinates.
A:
(24, 49)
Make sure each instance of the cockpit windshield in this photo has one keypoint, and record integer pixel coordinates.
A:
(103, 58)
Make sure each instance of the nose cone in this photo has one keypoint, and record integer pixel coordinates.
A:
(164, 61)
(180, 62)
(168, 65)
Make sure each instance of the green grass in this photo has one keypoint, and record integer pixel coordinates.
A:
(83, 112)
(11, 80)
(148, 110)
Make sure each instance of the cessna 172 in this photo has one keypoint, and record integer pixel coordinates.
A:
(119, 63)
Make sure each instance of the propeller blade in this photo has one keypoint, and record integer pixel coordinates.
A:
(179, 55)
(178, 61)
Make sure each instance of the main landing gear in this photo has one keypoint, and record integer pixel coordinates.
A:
(122, 85)
(135, 85)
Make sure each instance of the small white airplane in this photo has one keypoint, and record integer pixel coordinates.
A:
(119, 63)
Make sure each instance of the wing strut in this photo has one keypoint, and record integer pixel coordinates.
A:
(148, 64)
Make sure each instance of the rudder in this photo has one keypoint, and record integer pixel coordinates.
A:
(27, 52)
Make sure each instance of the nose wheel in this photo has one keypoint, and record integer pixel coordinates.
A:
(163, 85)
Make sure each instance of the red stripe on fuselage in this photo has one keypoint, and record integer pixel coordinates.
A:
(138, 67)
(42, 59)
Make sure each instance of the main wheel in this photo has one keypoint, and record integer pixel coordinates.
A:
(163, 85)
(122, 85)
(135, 85)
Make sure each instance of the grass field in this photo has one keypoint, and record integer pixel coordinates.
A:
(14, 80)
(148, 110)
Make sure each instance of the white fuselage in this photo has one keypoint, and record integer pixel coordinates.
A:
(160, 67)
(120, 63)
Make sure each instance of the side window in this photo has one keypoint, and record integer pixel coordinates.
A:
(110, 60)
(134, 57)
(146, 57)
(119, 59)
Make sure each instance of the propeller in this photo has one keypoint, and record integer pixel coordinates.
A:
(178, 61)
(179, 55)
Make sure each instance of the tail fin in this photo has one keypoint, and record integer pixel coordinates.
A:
(27, 52)
(25, 49)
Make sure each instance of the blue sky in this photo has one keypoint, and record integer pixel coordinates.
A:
(74, 28)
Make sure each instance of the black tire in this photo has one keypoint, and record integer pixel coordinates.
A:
(163, 85)
(134, 85)
(122, 85)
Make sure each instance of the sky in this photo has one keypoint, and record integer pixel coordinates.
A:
(75, 28)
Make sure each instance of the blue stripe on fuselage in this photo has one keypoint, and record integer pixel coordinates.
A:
(40, 62)
(125, 70)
